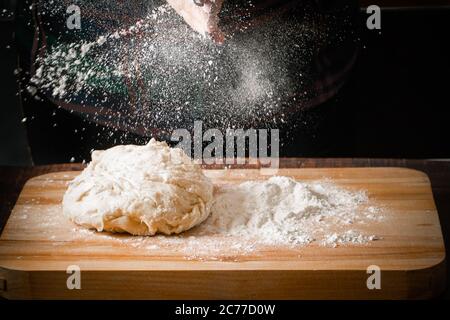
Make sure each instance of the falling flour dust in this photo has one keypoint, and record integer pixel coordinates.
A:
(157, 72)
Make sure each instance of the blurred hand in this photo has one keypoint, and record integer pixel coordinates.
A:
(201, 16)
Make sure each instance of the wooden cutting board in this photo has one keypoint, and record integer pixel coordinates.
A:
(38, 245)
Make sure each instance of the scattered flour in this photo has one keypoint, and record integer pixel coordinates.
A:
(165, 75)
(351, 236)
(284, 211)
(255, 215)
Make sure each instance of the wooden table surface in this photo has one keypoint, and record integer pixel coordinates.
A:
(12, 180)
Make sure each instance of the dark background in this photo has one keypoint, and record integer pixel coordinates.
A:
(394, 105)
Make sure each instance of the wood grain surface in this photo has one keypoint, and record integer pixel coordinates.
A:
(34, 255)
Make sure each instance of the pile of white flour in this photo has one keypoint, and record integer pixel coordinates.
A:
(284, 211)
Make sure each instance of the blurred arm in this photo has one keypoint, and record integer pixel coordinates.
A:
(201, 16)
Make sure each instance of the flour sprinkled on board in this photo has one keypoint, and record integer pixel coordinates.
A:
(256, 215)
(287, 212)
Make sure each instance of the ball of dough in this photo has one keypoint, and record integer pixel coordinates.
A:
(142, 190)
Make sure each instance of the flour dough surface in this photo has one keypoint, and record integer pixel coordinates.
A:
(142, 190)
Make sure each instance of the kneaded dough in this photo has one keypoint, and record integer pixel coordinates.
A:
(142, 190)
